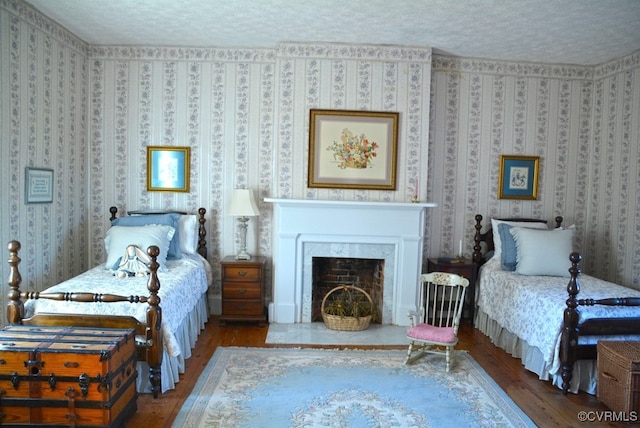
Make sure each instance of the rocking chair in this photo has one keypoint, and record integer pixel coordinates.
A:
(434, 327)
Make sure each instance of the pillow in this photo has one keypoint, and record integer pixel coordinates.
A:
(170, 219)
(573, 226)
(543, 252)
(188, 227)
(509, 252)
(497, 244)
(120, 237)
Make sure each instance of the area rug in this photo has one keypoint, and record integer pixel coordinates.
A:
(283, 387)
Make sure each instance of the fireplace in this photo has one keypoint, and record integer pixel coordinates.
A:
(330, 272)
(304, 229)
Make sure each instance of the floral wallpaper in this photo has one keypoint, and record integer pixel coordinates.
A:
(89, 112)
(43, 124)
(581, 121)
(245, 116)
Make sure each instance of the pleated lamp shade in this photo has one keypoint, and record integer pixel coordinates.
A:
(243, 204)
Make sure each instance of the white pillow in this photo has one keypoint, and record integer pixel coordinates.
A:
(543, 252)
(119, 237)
(188, 227)
(497, 242)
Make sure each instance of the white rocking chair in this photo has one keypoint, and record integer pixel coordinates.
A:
(435, 325)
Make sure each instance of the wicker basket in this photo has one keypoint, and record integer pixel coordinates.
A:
(619, 375)
(345, 323)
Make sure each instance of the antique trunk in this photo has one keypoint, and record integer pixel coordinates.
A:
(66, 376)
(619, 375)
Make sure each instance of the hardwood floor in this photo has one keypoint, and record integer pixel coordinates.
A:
(543, 403)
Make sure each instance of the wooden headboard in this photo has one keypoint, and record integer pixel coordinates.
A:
(202, 232)
(487, 237)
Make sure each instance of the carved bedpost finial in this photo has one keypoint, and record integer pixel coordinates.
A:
(202, 233)
(15, 307)
(559, 220)
(574, 270)
(114, 212)
(477, 254)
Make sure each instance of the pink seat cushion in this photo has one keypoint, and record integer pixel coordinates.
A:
(431, 333)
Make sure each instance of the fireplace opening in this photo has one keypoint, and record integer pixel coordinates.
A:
(330, 272)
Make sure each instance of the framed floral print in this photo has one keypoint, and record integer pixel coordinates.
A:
(353, 149)
(518, 177)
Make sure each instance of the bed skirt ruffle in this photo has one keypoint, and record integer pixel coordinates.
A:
(186, 335)
(584, 371)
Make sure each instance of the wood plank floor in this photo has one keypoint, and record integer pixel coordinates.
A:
(543, 403)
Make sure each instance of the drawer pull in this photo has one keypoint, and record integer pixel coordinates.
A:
(242, 308)
(609, 376)
(71, 364)
(242, 291)
(242, 273)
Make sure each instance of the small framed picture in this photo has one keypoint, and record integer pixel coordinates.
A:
(353, 149)
(38, 185)
(518, 177)
(168, 169)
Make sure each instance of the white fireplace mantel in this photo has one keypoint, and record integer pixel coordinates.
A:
(344, 228)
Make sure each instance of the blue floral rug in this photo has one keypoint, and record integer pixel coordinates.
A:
(278, 387)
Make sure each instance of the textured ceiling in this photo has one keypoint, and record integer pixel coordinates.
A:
(552, 31)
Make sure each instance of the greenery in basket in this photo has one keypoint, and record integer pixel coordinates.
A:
(350, 302)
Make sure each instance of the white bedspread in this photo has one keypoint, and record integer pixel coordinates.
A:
(531, 307)
(181, 287)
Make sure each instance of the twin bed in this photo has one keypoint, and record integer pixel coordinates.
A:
(527, 297)
(167, 306)
(527, 301)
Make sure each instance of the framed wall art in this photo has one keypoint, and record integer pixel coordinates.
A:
(353, 149)
(168, 169)
(518, 177)
(38, 185)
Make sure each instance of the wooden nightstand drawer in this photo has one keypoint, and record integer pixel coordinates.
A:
(242, 290)
(242, 307)
(242, 273)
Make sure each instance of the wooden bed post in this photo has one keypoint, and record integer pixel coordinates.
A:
(202, 233)
(15, 307)
(154, 322)
(477, 254)
(569, 340)
(559, 220)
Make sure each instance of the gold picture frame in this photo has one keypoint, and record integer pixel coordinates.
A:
(351, 149)
(168, 169)
(518, 177)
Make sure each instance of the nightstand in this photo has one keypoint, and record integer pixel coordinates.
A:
(465, 268)
(243, 290)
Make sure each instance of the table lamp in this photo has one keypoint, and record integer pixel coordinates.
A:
(243, 206)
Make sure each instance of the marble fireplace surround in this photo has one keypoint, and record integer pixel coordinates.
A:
(307, 228)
